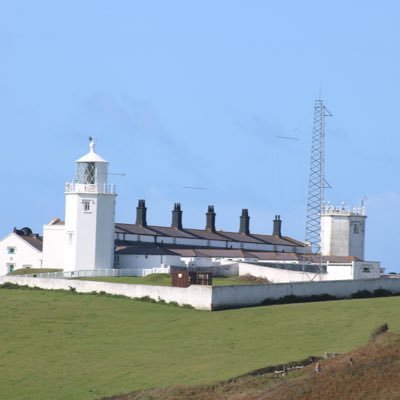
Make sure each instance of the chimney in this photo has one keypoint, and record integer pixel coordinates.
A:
(245, 222)
(177, 216)
(210, 219)
(277, 226)
(141, 213)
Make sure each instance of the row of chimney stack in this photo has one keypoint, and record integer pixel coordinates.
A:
(141, 211)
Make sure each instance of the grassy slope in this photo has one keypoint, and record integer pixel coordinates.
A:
(373, 374)
(68, 346)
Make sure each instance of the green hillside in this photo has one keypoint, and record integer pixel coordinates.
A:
(368, 373)
(61, 345)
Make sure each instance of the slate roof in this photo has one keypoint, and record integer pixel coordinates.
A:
(134, 229)
(126, 247)
(212, 252)
(34, 241)
(206, 234)
(172, 232)
(278, 240)
(239, 237)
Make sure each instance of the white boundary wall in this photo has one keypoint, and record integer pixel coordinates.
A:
(197, 296)
(235, 296)
(217, 297)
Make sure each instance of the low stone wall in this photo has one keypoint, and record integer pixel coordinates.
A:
(236, 296)
(214, 298)
(197, 296)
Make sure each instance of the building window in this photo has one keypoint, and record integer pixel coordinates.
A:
(356, 229)
(10, 268)
(11, 250)
(86, 205)
(366, 269)
(116, 259)
(70, 237)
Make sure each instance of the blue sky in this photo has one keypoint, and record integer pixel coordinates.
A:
(195, 93)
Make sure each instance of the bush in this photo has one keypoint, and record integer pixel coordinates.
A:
(290, 299)
(146, 299)
(10, 285)
(382, 293)
(378, 331)
(361, 294)
(366, 294)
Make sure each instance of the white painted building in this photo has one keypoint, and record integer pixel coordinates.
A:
(54, 244)
(20, 249)
(296, 272)
(343, 231)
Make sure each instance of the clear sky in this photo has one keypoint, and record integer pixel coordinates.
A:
(196, 93)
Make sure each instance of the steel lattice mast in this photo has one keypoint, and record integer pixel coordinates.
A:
(316, 183)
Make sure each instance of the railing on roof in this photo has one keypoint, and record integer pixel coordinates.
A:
(73, 187)
(342, 210)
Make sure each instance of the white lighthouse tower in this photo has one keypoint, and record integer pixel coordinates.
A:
(89, 215)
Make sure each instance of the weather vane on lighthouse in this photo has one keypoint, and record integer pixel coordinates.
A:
(91, 143)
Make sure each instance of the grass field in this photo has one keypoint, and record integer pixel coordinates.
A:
(165, 280)
(25, 271)
(61, 345)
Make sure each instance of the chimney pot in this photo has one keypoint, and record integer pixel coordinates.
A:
(245, 222)
(141, 211)
(177, 216)
(210, 219)
(277, 226)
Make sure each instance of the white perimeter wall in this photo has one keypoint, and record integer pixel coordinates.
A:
(218, 297)
(236, 296)
(197, 296)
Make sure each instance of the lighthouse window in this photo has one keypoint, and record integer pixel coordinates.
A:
(86, 205)
(356, 228)
(86, 172)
